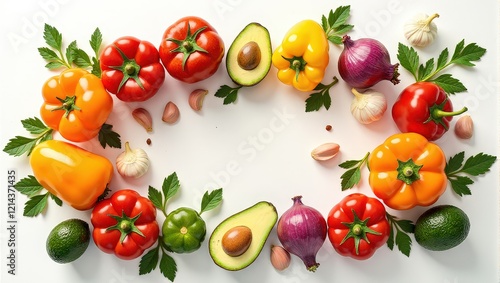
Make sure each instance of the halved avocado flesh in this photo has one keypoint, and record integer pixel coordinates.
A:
(260, 218)
(253, 32)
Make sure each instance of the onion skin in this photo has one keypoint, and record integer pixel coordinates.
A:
(365, 62)
(302, 231)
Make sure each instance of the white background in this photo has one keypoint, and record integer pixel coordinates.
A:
(256, 149)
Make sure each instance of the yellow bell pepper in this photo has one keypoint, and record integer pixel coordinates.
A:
(407, 170)
(303, 56)
(73, 174)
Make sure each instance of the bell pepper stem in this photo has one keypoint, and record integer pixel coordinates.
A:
(440, 113)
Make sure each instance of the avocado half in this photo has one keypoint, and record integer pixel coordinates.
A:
(260, 218)
(253, 32)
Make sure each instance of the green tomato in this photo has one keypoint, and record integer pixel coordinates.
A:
(183, 230)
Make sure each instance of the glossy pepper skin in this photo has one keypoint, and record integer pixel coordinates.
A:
(358, 226)
(407, 170)
(76, 176)
(303, 56)
(131, 69)
(184, 230)
(125, 224)
(424, 108)
(191, 49)
(76, 104)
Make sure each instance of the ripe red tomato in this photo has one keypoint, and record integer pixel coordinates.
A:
(191, 49)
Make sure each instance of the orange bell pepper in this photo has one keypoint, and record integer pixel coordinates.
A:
(73, 174)
(407, 170)
(76, 104)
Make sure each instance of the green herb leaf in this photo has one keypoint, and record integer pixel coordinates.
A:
(449, 84)
(460, 185)
(398, 234)
(82, 59)
(155, 197)
(34, 126)
(425, 70)
(466, 55)
(57, 200)
(149, 261)
(170, 186)
(335, 26)
(168, 267)
(71, 52)
(230, 94)
(409, 59)
(35, 205)
(109, 137)
(48, 54)
(96, 41)
(474, 166)
(322, 98)
(211, 200)
(442, 59)
(28, 186)
(52, 37)
(352, 176)
(478, 164)
(19, 145)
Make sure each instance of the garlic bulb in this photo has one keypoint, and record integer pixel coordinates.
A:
(132, 162)
(421, 31)
(369, 106)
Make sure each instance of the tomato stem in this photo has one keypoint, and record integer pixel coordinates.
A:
(188, 45)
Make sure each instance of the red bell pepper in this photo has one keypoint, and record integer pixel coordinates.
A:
(125, 224)
(424, 108)
(191, 49)
(131, 69)
(358, 226)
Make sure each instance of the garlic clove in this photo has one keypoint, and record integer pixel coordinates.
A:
(369, 106)
(325, 151)
(170, 113)
(280, 258)
(196, 98)
(464, 127)
(421, 31)
(132, 163)
(143, 117)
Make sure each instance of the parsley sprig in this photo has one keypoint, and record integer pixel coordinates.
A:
(230, 94)
(59, 57)
(20, 145)
(321, 98)
(160, 253)
(400, 228)
(456, 170)
(463, 55)
(352, 175)
(335, 26)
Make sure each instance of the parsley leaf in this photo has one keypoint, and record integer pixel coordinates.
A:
(169, 188)
(211, 200)
(35, 205)
(474, 166)
(353, 175)
(168, 267)
(322, 98)
(335, 26)
(28, 186)
(109, 137)
(149, 261)
(463, 55)
(155, 197)
(19, 145)
(228, 93)
(398, 234)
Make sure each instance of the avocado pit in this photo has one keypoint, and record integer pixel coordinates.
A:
(237, 240)
(249, 56)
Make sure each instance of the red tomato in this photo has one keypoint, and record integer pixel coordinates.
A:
(125, 224)
(131, 69)
(357, 226)
(191, 50)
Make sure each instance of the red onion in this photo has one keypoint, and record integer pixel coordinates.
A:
(365, 62)
(302, 231)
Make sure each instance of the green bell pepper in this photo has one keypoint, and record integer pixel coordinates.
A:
(183, 230)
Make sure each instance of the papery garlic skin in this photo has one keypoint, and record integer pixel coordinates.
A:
(421, 31)
(132, 163)
(368, 107)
